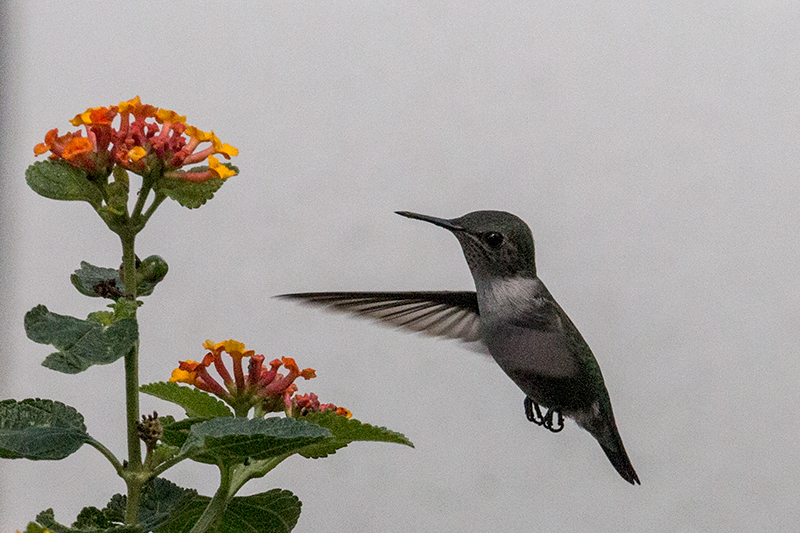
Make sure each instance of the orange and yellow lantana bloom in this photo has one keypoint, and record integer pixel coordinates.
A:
(145, 138)
(266, 388)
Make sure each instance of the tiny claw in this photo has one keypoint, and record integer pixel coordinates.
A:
(548, 420)
(533, 412)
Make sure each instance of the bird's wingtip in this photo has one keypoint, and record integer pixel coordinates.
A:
(292, 296)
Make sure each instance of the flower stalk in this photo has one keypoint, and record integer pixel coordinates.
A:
(134, 465)
(155, 144)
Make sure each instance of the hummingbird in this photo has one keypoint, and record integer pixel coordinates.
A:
(513, 317)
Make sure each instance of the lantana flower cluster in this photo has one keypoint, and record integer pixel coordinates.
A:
(266, 388)
(146, 138)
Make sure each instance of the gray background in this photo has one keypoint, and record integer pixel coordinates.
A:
(653, 149)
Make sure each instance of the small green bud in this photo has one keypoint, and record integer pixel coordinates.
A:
(121, 177)
(117, 197)
(152, 269)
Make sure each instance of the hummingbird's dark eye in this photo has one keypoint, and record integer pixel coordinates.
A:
(493, 239)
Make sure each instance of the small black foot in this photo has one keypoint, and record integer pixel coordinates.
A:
(534, 414)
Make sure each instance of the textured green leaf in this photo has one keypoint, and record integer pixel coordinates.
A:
(190, 194)
(115, 508)
(274, 511)
(48, 520)
(99, 282)
(176, 433)
(344, 431)
(124, 308)
(92, 518)
(196, 402)
(34, 528)
(160, 500)
(62, 332)
(39, 429)
(60, 181)
(80, 343)
(105, 318)
(163, 453)
(168, 508)
(234, 440)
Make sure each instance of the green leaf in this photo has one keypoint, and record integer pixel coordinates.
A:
(160, 500)
(105, 318)
(39, 429)
(274, 511)
(168, 508)
(233, 440)
(163, 453)
(92, 518)
(48, 520)
(190, 194)
(196, 402)
(176, 433)
(99, 282)
(344, 431)
(33, 527)
(124, 308)
(80, 343)
(60, 181)
(118, 191)
(115, 508)
(61, 331)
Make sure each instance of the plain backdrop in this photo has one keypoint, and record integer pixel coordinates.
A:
(652, 148)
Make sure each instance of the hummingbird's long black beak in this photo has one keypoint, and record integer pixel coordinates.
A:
(441, 222)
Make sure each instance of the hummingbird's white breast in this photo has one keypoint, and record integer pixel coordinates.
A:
(523, 330)
(503, 300)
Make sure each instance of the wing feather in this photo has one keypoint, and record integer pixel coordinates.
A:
(440, 314)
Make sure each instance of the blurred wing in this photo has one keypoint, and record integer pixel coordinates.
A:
(439, 314)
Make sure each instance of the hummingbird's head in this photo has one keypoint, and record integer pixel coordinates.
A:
(495, 243)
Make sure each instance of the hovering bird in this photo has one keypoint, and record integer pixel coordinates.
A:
(512, 316)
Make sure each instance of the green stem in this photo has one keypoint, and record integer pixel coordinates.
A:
(107, 454)
(254, 470)
(240, 411)
(143, 194)
(134, 468)
(160, 197)
(166, 465)
(232, 479)
(216, 507)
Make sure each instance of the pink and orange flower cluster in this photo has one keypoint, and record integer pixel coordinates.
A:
(309, 403)
(263, 387)
(145, 138)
